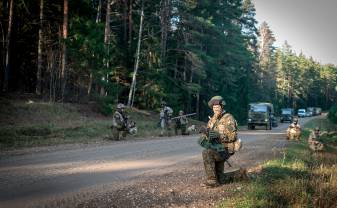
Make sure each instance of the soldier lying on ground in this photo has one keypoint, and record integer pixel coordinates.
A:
(294, 130)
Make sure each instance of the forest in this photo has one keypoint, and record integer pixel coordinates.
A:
(140, 52)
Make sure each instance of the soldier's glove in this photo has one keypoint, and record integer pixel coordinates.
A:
(213, 134)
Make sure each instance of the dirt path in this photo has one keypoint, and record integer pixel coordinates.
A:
(150, 173)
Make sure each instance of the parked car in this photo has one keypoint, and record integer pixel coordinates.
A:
(318, 111)
(287, 114)
(311, 111)
(301, 112)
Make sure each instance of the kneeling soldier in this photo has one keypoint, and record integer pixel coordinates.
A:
(220, 142)
(294, 130)
(119, 123)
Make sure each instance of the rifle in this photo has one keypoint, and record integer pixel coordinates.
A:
(187, 115)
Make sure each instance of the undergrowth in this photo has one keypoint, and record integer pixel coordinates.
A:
(301, 178)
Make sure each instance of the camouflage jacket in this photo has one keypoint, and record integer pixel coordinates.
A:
(119, 120)
(297, 126)
(226, 126)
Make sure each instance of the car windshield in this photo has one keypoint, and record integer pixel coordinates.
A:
(258, 108)
(301, 111)
(286, 111)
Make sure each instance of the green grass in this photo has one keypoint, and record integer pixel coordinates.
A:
(25, 123)
(300, 178)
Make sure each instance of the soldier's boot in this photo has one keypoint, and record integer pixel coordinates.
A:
(183, 130)
(161, 132)
(219, 168)
(115, 134)
(209, 165)
(123, 135)
(176, 131)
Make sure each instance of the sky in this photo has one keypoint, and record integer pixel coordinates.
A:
(309, 26)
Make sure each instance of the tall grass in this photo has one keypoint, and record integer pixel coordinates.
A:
(299, 179)
(27, 124)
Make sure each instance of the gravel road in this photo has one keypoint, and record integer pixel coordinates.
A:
(162, 172)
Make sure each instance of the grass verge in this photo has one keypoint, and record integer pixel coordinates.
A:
(27, 123)
(301, 178)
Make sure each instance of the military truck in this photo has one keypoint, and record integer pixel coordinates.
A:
(287, 114)
(261, 114)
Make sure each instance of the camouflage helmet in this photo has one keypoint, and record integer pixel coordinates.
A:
(316, 128)
(216, 100)
(295, 120)
(120, 106)
(181, 112)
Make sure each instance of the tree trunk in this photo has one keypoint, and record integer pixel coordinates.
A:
(99, 11)
(164, 21)
(106, 41)
(64, 36)
(39, 56)
(9, 32)
(125, 18)
(133, 84)
(130, 23)
(64, 47)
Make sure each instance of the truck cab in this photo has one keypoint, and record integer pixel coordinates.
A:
(287, 114)
(261, 114)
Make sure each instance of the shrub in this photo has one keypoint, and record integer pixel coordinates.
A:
(333, 114)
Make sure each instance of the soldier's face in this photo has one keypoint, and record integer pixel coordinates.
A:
(217, 109)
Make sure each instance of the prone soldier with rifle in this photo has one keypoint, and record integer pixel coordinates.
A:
(219, 141)
(121, 125)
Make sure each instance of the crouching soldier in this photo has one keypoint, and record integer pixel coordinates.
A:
(314, 144)
(121, 125)
(294, 130)
(220, 142)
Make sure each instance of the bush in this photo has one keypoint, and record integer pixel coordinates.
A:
(333, 114)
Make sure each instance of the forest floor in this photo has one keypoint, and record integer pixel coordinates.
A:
(29, 122)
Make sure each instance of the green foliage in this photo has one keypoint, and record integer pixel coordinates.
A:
(198, 50)
(333, 114)
(299, 178)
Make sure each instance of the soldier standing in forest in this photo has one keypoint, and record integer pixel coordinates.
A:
(165, 118)
(219, 141)
(294, 130)
(181, 123)
(119, 123)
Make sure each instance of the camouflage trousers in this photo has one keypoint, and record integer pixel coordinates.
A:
(118, 134)
(182, 128)
(293, 134)
(214, 166)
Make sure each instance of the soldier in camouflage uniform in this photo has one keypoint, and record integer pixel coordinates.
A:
(314, 144)
(181, 123)
(294, 130)
(119, 123)
(219, 142)
(165, 118)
